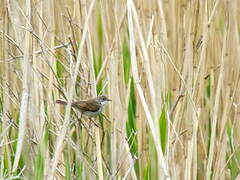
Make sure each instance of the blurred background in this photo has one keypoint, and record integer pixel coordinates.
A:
(171, 69)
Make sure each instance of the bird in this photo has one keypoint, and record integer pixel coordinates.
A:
(91, 107)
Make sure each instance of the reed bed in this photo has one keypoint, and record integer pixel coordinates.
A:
(171, 69)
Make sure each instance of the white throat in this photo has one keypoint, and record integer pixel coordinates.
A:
(103, 102)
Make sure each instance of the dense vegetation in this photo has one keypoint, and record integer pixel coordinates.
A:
(171, 69)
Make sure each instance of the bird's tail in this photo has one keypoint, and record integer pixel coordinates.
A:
(60, 101)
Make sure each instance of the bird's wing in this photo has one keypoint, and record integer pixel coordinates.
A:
(86, 105)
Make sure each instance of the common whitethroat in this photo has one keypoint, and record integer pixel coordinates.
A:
(91, 107)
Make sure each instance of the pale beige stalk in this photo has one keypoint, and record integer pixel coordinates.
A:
(161, 162)
(60, 139)
(214, 115)
(25, 92)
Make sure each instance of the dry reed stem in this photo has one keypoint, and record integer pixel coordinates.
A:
(216, 109)
(59, 143)
(25, 92)
(155, 134)
(96, 129)
(178, 66)
(146, 62)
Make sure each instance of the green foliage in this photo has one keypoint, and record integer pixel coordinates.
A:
(98, 59)
(153, 159)
(99, 87)
(208, 87)
(126, 62)
(132, 106)
(60, 70)
(163, 128)
(168, 99)
(100, 28)
(67, 165)
(131, 125)
(39, 166)
(5, 163)
(233, 164)
(98, 63)
(40, 157)
(147, 172)
(233, 167)
(78, 169)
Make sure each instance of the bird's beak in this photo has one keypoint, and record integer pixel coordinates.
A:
(109, 100)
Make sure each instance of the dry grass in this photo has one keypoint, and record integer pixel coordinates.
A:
(170, 67)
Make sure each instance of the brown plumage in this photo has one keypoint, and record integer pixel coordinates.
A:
(91, 107)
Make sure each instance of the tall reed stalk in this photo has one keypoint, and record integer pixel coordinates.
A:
(171, 69)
